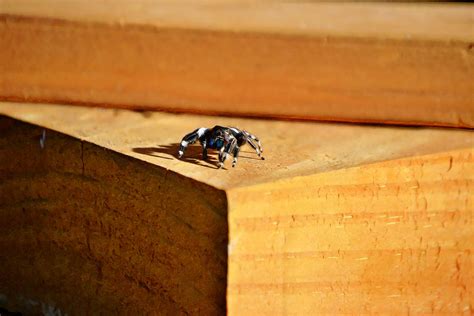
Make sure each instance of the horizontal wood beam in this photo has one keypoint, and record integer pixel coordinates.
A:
(385, 63)
(337, 218)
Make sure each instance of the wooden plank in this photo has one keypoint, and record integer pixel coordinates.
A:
(389, 238)
(292, 149)
(387, 63)
(338, 218)
(88, 231)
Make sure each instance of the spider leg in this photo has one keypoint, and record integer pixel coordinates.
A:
(191, 138)
(254, 142)
(225, 150)
(236, 155)
(204, 149)
(222, 157)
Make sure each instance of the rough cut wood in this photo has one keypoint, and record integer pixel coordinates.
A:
(338, 218)
(388, 63)
(389, 238)
(88, 231)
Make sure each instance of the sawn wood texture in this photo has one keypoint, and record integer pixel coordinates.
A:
(99, 216)
(377, 62)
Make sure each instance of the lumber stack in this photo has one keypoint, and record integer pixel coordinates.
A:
(383, 63)
(99, 216)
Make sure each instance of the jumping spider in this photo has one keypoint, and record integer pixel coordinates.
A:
(226, 140)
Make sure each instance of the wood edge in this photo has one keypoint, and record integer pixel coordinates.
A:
(335, 172)
(206, 9)
(123, 155)
(260, 116)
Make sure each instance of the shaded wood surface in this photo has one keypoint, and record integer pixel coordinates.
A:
(387, 63)
(88, 231)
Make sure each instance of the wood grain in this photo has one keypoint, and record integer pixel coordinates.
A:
(89, 231)
(389, 238)
(339, 218)
(386, 63)
(291, 149)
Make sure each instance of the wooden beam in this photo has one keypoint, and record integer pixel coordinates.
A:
(87, 231)
(389, 238)
(386, 63)
(338, 218)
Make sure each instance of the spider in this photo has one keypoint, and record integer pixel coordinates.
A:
(226, 140)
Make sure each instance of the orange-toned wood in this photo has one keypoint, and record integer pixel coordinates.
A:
(291, 149)
(388, 63)
(88, 231)
(339, 218)
(388, 238)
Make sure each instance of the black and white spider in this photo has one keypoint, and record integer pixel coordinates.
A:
(227, 140)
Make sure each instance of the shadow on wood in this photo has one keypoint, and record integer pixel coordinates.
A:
(192, 155)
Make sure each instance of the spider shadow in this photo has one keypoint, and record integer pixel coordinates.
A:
(192, 155)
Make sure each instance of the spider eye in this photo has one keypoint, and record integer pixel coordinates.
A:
(219, 143)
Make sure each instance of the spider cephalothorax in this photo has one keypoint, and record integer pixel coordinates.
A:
(227, 140)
